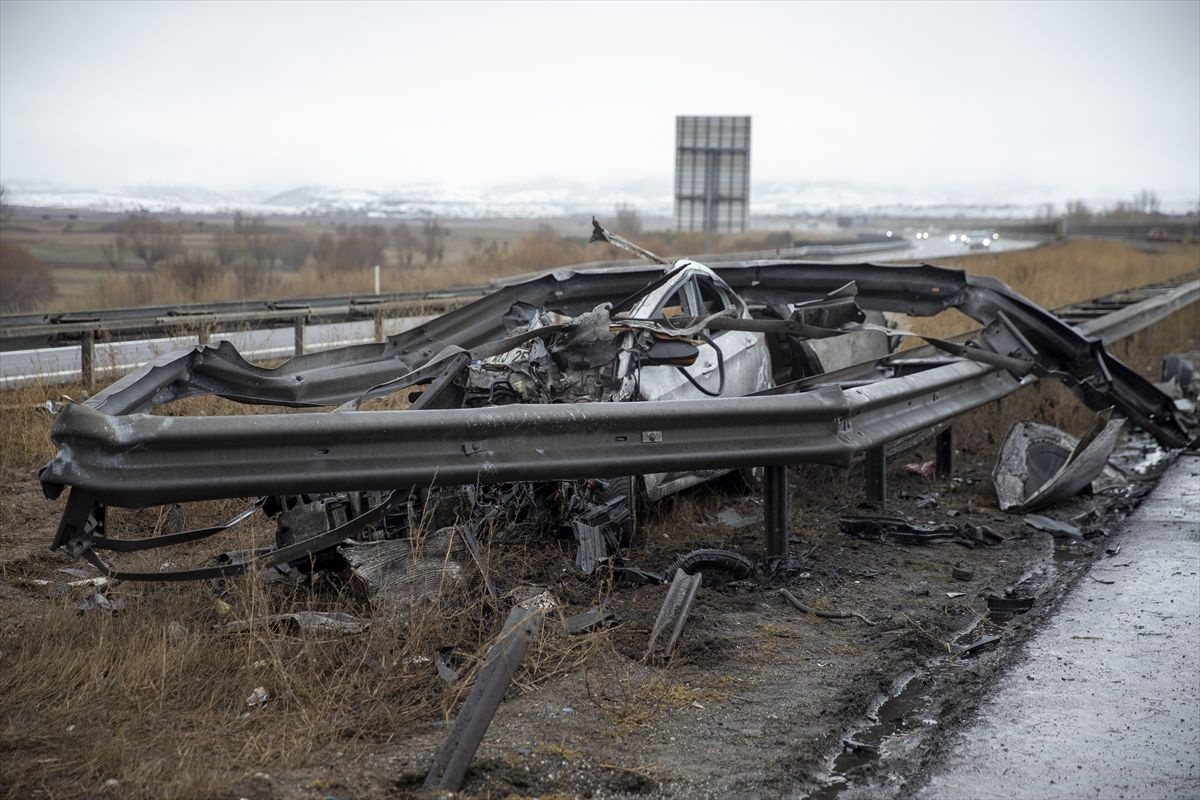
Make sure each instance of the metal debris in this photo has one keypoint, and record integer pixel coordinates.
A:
(100, 601)
(589, 620)
(258, 697)
(396, 573)
(730, 518)
(673, 615)
(502, 662)
(1054, 526)
(1039, 465)
(898, 530)
(319, 621)
(1008, 605)
(979, 644)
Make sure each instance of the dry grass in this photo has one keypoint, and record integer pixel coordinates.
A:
(155, 698)
(1057, 274)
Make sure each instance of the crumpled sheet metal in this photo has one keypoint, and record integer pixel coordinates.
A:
(1040, 465)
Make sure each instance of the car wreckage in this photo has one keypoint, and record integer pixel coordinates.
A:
(561, 399)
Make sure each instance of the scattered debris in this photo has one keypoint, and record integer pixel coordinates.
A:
(1098, 580)
(795, 602)
(979, 644)
(927, 500)
(441, 662)
(588, 620)
(101, 601)
(1115, 550)
(1050, 525)
(322, 621)
(674, 613)
(960, 574)
(1039, 465)
(718, 566)
(258, 697)
(502, 662)
(98, 582)
(923, 468)
(730, 518)
(855, 746)
(1008, 605)
(393, 574)
(897, 530)
(955, 595)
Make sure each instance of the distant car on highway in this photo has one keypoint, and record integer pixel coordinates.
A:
(1158, 235)
(978, 240)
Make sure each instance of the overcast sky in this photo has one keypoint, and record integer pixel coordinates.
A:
(1076, 99)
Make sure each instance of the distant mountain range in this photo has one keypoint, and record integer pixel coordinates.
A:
(650, 198)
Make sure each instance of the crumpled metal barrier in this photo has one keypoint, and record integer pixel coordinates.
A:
(113, 453)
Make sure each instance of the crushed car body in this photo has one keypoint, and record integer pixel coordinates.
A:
(568, 394)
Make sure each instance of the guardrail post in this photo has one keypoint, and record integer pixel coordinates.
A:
(87, 360)
(298, 325)
(203, 334)
(875, 475)
(944, 457)
(379, 326)
(775, 510)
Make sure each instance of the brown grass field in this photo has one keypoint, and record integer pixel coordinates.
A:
(151, 701)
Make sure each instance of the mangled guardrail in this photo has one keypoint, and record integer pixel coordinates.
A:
(111, 452)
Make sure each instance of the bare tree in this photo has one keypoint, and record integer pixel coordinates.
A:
(25, 282)
(6, 209)
(434, 235)
(1146, 201)
(150, 239)
(114, 252)
(406, 244)
(628, 223)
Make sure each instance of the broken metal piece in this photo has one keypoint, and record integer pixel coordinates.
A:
(1050, 525)
(320, 621)
(898, 530)
(586, 621)
(394, 574)
(1039, 465)
(501, 664)
(441, 661)
(1009, 605)
(974, 647)
(673, 614)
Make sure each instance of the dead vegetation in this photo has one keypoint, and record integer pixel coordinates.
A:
(152, 701)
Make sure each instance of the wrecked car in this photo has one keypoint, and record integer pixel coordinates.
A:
(559, 400)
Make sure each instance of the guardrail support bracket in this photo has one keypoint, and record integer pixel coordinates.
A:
(944, 467)
(298, 326)
(875, 475)
(775, 510)
(87, 360)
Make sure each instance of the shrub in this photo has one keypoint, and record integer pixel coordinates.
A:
(25, 282)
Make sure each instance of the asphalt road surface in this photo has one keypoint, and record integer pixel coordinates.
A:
(1106, 703)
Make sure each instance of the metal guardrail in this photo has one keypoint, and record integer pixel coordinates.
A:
(135, 460)
(111, 455)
